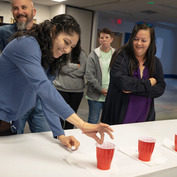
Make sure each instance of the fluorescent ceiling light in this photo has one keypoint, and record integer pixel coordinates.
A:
(58, 0)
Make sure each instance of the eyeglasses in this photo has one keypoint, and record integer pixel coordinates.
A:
(148, 24)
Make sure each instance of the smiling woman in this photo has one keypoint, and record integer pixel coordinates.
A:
(27, 66)
(63, 43)
(136, 78)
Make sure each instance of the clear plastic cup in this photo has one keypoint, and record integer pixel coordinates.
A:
(145, 148)
(104, 154)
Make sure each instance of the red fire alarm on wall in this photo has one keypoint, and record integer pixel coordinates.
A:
(119, 21)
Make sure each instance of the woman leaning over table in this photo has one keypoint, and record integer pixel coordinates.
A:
(26, 66)
(136, 78)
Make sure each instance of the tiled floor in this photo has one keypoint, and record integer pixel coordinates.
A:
(166, 105)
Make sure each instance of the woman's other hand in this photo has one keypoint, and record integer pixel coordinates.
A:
(126, 91)
(92, 129)
(153, 81)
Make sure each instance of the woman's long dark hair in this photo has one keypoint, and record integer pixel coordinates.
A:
(75, 53)
(42, 33)
(150, 54)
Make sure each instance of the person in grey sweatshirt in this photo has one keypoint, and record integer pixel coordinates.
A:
(97, 74)
(70, 83)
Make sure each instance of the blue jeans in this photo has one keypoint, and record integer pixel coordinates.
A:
(94, 111)
(36, 120)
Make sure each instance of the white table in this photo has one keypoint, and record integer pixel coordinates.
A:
(40, 155)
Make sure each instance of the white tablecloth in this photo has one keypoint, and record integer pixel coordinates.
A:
(40, 155)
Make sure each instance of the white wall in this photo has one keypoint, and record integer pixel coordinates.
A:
(169, 36)
(5, 11)
(169, 50)
(42, 13)
(56, 10)
(84, 18)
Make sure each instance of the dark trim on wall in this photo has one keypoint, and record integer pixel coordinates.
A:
(2, 24)
(170, 76)
(91, 31)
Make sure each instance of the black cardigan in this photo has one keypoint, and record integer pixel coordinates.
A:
(116, 102)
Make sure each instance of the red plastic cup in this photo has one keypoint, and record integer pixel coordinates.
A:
(104, 154)
(175, 142)
(145, 148)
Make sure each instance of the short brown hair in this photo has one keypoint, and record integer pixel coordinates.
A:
(106, 31)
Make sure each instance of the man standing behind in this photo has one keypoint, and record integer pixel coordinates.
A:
(97, 74)
(23, 12)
